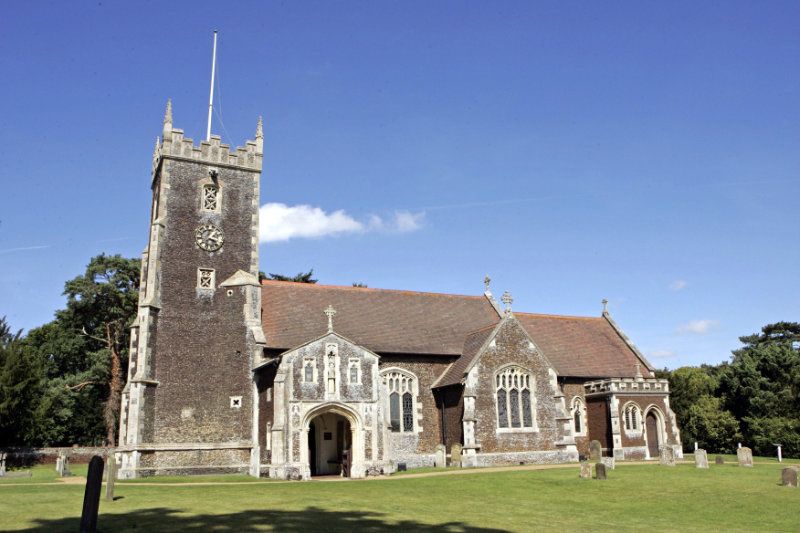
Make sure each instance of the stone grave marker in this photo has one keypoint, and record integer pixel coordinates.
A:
(666, 456)
(609, 462)
(745, 456)
(700, 458)
(586, 470)
(2, 464)
(600, 471)
(719, 460)
(440, 458)
(595, 450)
(111, 477)
(789, 477)
(58, 464)
(455, 455)
(91, 496)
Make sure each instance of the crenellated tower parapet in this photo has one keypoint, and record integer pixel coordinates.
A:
(627, 385)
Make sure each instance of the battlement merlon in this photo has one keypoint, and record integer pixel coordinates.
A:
(173, 145)
(627, 386)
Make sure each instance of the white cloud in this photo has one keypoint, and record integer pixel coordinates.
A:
(661, 354)
(698, 327)
(281, 222)
(678, 285)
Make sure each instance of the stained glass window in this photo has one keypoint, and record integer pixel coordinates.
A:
(394, 411)
(502, 411)
(408, 412)
(527, 416)
(514, 401)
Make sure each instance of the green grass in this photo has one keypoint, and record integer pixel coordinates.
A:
(42, 474)
(634, 498)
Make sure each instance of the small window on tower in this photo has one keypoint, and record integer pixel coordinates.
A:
(210, 198)
(205, 278)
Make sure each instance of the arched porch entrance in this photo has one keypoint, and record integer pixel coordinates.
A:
(333, 445)
(330, 445)
(653, 433)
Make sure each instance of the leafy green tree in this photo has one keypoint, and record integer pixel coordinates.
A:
(300, 277)
(762, 388)
(712, 427)
(20, 384)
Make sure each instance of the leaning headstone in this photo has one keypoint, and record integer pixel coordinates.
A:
(719, 460)
(600, 471)
(595, 450)
(58, 464)
(586, 470)
(2, 464)
(609, 462)
(700, 458)
(745, 456)
(666, 456)
(455, 455)
(65, 471)
(440, 458)
(789, 477)
(111, 477)
(91, 496)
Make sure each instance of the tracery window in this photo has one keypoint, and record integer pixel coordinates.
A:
(210, 197)
(514, 399)
(309, 368)
(402, 389)
(633, 417)
(205, 278)
(578, 416)
(354, 370)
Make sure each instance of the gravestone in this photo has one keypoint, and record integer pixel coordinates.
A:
(600, 471)
(700, 458)
(586, 470)
(91, 496)
(440, 459)
(745, 456)
(719, 460)
(595, 450)
(789, 477)
(111, 477)
(609, 462)
(58, 464)
(666, 456)
(2, 464)
(455, 455)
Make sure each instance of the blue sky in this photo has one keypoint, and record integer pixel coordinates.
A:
(643, 152)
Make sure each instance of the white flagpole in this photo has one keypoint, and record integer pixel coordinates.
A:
(211, 95)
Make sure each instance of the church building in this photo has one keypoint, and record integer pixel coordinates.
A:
(228, 373)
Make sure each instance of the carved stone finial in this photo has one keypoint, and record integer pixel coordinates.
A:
(155, 150)
(168, 113)
(604, 301)
(260, 128)
(486, 282)
(507, 300)
(330, 312)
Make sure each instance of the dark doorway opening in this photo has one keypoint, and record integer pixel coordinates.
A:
(653, 441)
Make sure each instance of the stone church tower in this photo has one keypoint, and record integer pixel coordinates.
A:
(190, 401)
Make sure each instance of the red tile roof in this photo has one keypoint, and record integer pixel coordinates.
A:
(581, 346)
(381, 320)
(392, 321)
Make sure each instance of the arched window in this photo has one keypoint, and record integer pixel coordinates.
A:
(402, 389)
(632, 417)
(578, 416)
(514, 399)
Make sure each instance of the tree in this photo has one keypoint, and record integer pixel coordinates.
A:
(761, 386)
(20, 382)
(300, 277)
(103, 302)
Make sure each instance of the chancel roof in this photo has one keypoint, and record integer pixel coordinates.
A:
(392, 321)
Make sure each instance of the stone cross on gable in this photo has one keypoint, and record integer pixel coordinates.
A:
(486, 281)
(604, 301)
(507, 300)
(330, 312)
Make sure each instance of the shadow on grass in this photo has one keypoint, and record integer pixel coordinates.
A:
(309, 519)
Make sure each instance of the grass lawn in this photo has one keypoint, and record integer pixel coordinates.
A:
(634, 498)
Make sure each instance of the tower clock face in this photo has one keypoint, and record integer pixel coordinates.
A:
(209, 237)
